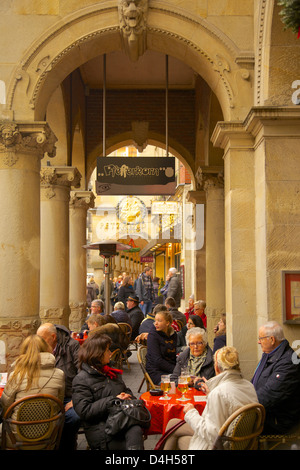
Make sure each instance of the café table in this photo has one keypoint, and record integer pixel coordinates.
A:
(163, 410)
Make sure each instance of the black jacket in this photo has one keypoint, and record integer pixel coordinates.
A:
(66, 356)
(136, 317)
(92, 394)
(161, 353)
(278, 389)
(207, 369)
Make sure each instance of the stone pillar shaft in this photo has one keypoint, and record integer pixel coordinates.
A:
(80, 202)
(213, 184)
(22, 145)
(56, 183)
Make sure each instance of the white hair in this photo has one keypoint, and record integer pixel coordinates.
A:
(119, 306)
(173, 270)
(272, 328)
(196, 331)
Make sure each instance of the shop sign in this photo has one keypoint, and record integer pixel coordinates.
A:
(135, 175)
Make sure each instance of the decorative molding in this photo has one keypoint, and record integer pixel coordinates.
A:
(140, 131)
(209, 178)
(34, 138)
(82, 199)
(60, 176)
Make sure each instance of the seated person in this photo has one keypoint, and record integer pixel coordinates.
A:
(197, 358)
(94, 321)
(220, 333)
(135, 314)
(176, 314)
(161, 347)
(65, 349)
(277, 380)
(190, 310)
(119, 340)
(194, 320)
(33, 372)
(199, 309)
(147, 323)
(120, 314)
(94, 388)
(226, 393)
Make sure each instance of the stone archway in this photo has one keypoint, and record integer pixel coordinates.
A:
(87, 33)
(95, 30)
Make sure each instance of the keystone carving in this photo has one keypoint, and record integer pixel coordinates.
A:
(132, 18)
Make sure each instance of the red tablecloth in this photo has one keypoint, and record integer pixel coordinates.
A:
(163, 410)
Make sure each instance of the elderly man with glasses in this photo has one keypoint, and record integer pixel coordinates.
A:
(277, 380)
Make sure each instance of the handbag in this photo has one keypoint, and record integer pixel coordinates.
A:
(124, 414)
(161, 443)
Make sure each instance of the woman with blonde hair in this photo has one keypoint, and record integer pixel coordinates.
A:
(33, 372)
(161, 346)
(226, 392)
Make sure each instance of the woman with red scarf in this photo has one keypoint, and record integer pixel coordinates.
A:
(94, 388)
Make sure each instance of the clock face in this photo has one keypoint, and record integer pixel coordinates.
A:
(131, 210)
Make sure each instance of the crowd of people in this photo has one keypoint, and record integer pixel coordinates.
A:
(86, 381)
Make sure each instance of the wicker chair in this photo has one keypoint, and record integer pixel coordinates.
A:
(127, 330)
(279, 441)
(116, 358)
(241, 430)
(141, 355)
(38, 424)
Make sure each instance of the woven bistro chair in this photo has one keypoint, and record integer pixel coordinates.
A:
(116, 358)
(141, 355)
(127, 330)
(34, 422)
(241, 430)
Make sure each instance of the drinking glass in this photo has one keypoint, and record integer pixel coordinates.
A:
(183, 387)
(165, 385)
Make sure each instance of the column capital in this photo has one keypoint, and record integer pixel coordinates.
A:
(210, 178)
(82, 199)
(197, 197)
(272, 121)
(67, 176)
(25, 137)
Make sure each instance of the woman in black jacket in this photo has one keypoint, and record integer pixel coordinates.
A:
(125, 290)
(197, 359)
(94, 389)
(161, 347)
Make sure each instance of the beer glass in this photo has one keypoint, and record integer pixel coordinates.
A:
(165, 385)
(183, 387)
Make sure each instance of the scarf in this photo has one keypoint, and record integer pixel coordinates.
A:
(195, 363)
(110, 372)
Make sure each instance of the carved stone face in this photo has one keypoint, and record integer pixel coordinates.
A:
(132, 11)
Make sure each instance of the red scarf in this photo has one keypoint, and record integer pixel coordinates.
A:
(110, 372)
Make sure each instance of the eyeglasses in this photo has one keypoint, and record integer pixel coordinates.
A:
(263, 337)
(193, 345)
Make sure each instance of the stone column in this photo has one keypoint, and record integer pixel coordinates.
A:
(277, 208)
(80, 202)
(22, 145)
(240, 268)
(197, 246)
(56, 183)
(212, 182)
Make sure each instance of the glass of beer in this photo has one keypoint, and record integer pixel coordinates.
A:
(165, 385)
(183, 387)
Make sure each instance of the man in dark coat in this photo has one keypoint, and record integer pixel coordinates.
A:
(176, 314)
(174, 287)
(65, 350)
(277, 380)
(135, 314)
